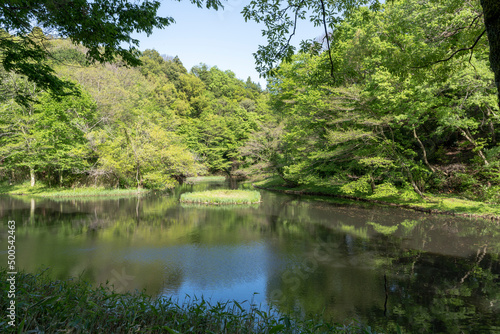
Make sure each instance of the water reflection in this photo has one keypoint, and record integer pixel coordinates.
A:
(383, 266)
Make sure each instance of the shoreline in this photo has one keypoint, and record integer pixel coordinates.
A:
(304, 190)
(48, 192)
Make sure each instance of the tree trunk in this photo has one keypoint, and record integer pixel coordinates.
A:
(138, 179)
(32, 176)
(466, 133)
(372, 184)
(491, 10)
(424, 152)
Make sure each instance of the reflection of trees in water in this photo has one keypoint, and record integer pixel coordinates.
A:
(437, 293)
(441, 271)
(441, 276)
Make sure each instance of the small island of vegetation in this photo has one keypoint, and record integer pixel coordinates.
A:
(223, 196)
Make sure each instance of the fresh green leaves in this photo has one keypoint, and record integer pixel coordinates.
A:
(102, 27)
(395, 116)
(281, 18)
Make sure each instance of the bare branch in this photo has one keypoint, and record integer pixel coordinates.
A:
(327, 39)
(457, 51)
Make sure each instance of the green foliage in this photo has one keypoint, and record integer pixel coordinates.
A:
(385, 189)
(129, 127)
(222, 117)
(102, 27)
(75, 305)
(385, 123)
(408, 194)
(280, 19)
(147, 154)
(48, 137)
(394, 116)
(361, 185)
(262, 151)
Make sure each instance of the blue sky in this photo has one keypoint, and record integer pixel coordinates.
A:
(217, 38)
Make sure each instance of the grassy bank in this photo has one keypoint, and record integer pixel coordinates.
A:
(41, 190)
(73, 306)
(432, 203)
(222, 197)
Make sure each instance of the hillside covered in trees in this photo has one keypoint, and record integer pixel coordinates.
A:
(146, 126)
(384, 110)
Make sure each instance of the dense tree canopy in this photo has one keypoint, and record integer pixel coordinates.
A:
(100, 26)
(147, 126)
(281, 19)
(491, 9)
(395, 104)
(387, 120)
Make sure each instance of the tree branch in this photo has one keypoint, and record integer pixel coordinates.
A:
(323, 12)
(293, 33)
(457, 51)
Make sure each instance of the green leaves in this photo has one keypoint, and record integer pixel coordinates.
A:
(102, 27)
(48, 137)
(393, 102)
(146, 155)
(281, 19)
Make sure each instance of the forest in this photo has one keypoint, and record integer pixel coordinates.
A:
(402, 101)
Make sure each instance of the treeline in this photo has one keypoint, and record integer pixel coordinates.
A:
(147, 126)
(404, 102)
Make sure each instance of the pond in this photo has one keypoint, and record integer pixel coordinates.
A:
(305, 255)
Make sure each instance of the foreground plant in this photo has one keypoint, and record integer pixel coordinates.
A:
(72, 306)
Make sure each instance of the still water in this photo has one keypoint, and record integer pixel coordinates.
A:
(384, 267)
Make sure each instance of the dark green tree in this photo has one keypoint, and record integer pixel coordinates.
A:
(491, 12)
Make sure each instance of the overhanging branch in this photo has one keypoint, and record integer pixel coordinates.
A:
(323, 12)
(457, 51)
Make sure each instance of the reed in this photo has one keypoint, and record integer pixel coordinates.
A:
(74, 306)
(223, 196)
(41, 190)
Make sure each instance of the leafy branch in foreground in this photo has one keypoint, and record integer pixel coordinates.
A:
(101, 26)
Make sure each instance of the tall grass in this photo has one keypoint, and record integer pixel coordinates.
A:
(41, 190)
(223, 196)
(74, 306)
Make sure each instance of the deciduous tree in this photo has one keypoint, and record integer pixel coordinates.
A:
(101, 26)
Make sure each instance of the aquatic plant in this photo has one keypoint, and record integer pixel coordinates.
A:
(222, 196)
